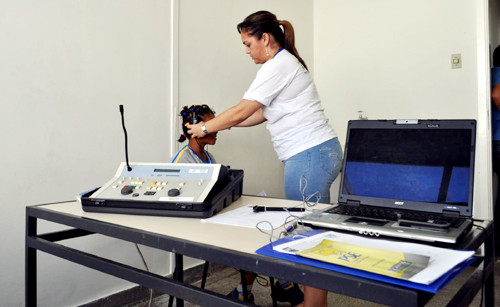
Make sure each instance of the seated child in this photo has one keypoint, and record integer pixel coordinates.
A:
(194, 151)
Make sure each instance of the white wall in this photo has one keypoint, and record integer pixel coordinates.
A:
(214, 69)
(392, 59)
(64, 69)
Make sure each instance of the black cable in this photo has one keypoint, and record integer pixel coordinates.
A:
(126, 138)
(261, 280)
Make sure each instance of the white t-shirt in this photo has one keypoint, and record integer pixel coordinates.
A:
(292, 106)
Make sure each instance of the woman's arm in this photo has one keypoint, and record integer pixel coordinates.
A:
(227, 119)
(495, 95)
(255, 119)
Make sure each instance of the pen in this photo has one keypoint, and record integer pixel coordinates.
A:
(264, 208)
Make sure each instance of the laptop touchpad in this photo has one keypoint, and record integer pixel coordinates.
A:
(367, 221)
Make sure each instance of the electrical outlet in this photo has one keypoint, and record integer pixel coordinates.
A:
(362, 115)
(456, 61)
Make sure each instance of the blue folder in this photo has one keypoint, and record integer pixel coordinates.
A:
(434, 287)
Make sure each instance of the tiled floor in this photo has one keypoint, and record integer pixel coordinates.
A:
(224, 280)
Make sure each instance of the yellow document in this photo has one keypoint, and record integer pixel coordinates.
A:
(390, 263)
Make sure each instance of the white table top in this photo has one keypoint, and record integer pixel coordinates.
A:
(241, 239)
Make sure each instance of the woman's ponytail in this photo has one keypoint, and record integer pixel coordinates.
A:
(289, 40)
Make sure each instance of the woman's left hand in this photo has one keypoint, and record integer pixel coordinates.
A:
(195, 130)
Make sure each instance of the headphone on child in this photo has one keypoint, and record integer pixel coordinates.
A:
(194, 110)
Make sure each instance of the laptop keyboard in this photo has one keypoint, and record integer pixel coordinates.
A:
(393, 215)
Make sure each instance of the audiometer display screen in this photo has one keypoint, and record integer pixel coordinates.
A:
(163, 170)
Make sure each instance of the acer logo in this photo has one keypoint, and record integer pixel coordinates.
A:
(400, 203)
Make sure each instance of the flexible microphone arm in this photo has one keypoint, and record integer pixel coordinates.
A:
(126, 141)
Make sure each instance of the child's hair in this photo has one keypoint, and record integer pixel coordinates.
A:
(496, 57)
(192, 115)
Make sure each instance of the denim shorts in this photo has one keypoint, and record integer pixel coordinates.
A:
(316, 167)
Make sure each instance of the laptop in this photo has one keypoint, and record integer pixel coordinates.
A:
(408, 179)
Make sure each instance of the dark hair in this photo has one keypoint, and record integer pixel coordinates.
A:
(188, 114)
(262, 22)
(496, 57)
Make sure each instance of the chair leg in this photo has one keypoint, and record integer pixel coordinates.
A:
(170, 301)
(171, 298)
(178, 275)
(273, 286)
(244, 285)
(179, 264)
(205, 273)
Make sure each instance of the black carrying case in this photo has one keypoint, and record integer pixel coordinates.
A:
(214, 202)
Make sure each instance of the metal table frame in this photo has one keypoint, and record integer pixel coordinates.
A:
(349, 285)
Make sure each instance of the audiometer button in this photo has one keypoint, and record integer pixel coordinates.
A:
(174, 192)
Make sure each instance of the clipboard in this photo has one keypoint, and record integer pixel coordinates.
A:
(434, 287)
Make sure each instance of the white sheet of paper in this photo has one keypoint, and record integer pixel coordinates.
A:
(245, 217)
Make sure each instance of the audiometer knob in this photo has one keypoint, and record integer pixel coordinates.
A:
(174, 192)
(127, 190)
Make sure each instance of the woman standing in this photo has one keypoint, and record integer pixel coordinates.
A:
(283, 94)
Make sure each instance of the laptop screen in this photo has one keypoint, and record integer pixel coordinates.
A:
(425, 165)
